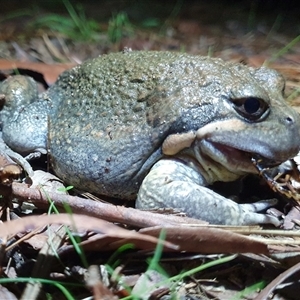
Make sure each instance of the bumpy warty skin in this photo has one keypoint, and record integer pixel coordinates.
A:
(109, 117)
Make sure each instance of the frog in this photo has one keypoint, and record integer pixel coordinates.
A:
(157, 127)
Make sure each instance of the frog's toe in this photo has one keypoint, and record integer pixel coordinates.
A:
(259, 205)
(16, 157)
(251, 218)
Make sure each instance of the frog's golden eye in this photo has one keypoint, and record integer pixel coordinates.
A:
(251, 108)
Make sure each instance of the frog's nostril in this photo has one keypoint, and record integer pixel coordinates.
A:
(289, 120)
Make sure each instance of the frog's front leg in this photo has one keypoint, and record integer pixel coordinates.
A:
(171, 183)
(23, 117)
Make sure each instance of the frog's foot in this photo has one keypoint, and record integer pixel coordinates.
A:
(16, 157)
(172, 184)
(34, 155)
(259, 205)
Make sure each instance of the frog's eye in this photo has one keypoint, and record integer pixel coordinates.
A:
(251, 108)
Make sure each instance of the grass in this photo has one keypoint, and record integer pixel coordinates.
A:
(276, 25)
(75, 26)
(74, 240)
(60, 285)
(295, 94)
(173, 15)
(250, 290)
(78, 27)
(251, 23)
(119, 26)
(283, 51)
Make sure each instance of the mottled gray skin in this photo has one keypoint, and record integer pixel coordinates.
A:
(112, 124)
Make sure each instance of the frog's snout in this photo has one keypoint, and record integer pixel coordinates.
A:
(292, 123)
(292, 119)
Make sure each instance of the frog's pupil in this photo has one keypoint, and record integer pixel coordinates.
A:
(251, 105)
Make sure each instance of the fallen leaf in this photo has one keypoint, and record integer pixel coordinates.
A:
(209, 240)
(77, 222)
(50, 72)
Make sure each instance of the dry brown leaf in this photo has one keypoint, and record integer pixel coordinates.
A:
(256, 60)
(38, 240)
(50, 72)
(293, 214)
(209, 240)
(9, 170)
(151, 284)
(94, 282)
(78, 222)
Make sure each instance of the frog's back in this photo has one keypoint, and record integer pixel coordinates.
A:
(119, 83)
(102, 132)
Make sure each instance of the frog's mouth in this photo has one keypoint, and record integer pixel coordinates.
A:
(239, 144)
(236, 160)
(264, 162)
